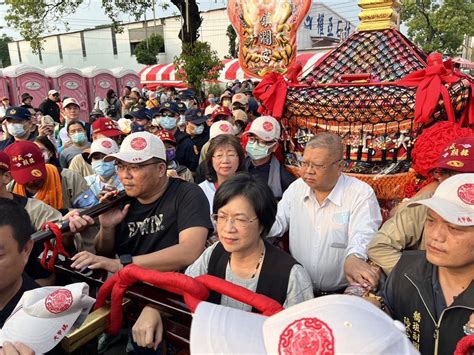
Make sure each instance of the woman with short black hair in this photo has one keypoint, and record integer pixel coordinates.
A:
(224, 159)
(244, 212)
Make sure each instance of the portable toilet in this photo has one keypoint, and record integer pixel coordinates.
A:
(70, 82)
(126, 77)
(25, 78)
(3, 86)
(99, 81)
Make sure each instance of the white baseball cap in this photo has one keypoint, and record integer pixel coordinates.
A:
(52, 92)
(336, 324)
(139, 147)
(104, 145)
(453, 200)
(266, 128)
(125, 125)
(220, 127)
(69, 101)
(43, 316)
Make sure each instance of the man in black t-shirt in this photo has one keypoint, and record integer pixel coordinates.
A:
(15, 249)
(164, 222)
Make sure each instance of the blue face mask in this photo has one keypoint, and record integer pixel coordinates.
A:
(168, 123)
(103, 168)
(256, 152)
(137, 128)
(78, 138)
(198, 130)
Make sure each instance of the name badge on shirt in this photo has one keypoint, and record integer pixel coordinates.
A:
(341, 217)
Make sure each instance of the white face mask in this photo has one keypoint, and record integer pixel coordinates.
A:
(16, 129)
(46, 156)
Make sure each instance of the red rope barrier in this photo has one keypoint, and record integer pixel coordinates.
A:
(193, 290)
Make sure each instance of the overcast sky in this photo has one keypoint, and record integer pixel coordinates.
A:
(90, 13)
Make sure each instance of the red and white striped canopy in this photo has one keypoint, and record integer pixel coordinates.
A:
(165, 74)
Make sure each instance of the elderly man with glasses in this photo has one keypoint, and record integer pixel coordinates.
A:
(331, 218)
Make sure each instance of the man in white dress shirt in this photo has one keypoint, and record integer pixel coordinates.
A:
(331, 218)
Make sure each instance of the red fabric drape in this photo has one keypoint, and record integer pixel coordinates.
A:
(272, 93)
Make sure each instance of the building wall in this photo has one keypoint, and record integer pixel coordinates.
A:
(322, 22)
(99, 49)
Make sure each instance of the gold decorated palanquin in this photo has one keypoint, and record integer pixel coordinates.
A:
(356, 91)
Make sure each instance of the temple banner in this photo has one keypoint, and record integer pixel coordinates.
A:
(267, 33)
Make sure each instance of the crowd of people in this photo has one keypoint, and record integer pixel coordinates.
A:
(208, 193)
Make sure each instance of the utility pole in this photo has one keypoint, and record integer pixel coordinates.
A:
(187, 16)
(154, 17)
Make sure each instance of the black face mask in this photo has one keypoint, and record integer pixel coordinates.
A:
(137, 128)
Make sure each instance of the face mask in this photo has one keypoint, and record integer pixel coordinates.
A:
(16, 129)
(168, 122)
(236, 129)
(226, 103)
(170, 154)
(198, 130)
(256, 152)
(78, 138)
(137, 128)
(103, 168)
(214, 101)
(46, 157)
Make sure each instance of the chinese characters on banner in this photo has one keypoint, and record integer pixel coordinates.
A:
(327, 25)
(267, 33)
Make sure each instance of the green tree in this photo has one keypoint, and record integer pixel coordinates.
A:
(4, 53)
(35, 18)
(147, 50)
(232, 35)
(196, 64)
(438, 27)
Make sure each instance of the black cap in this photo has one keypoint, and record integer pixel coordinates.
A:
(141, 113)
(169, 106)
(195, 116)
(25, 96)
(18, 113)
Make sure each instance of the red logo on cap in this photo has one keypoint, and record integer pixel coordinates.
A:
(306, 336)
(224, 128)
(138, 143)
(466, 193)
(106, 144)
(59, 301)
(267, 126)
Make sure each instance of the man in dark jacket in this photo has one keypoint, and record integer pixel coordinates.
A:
(432, 292)
(50, 106)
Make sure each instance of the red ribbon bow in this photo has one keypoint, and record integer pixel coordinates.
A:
(430, 83)
(272, 93)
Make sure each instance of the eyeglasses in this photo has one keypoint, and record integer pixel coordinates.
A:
(309, 165)
(239, 222)
(221, 156)
(134, 168)
(263, 144)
